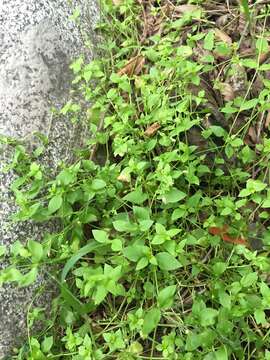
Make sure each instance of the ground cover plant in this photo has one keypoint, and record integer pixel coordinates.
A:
(163, 246)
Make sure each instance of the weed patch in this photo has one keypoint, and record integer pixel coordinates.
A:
(163, 251)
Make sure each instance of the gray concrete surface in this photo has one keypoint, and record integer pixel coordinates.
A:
(37, 42)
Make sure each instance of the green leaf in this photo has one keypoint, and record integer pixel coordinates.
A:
(173, 196)
(66, 176)
(249, 63)
(221, 354)
(245, 193)
(98, 184)
(133, 252)
(142, 263)
(208, 43)
(259, 315)
(141, 213)
(165, 297)
(77, 65)
(36, 250)
(47, 344)
(167, 262)
(249, 279)
(151, 321)
(184, 51)
(193, 341)
(249, 104)
(124, 226)
(100, 294)
(262, 45)
(208, 316)
(266, 203)
(218, 131)
(252, 186)
(101, 236)
(178, 213)
(225, 299)
(219, 268)
(246, 10)
(136, 196)
(160, 229)
(265, 291)
(55, 203)
(75, 258)
(145, 225)
(116, 245)
(29, 278)
(256, 185)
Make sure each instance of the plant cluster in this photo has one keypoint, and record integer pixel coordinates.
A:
(163, 245)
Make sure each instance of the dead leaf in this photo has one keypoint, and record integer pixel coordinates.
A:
(227, 92)
(125, 178)
(222, 36)
(152, 129)
(267, 120)
(222, 232)
(117, 2)
(185, 8)
(264, 56)
(223, 20)
(134, 66)
(252, 134)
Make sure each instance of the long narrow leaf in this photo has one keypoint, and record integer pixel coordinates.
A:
(245, 6)
(82, 252)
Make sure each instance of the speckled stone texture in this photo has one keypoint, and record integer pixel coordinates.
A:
(37, 42)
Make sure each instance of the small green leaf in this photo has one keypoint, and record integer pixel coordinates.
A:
(225, 299)
(184, 51)
(145, 225)
(133, 252)
(245, 193)
(249, 279)
(98, 184)
(259, 315)
(208, 43)
(173, 196)
(47, 344)
(151, 321)
(218, 131)
(136, 196)
(249, 63)
(167, 261)
(142, 263)
(248, 104)
(219, 268)
(208, 316)
(141, 213)
(55, 203)
(101, 236)
(36, 250)
(116, 245)
(124, 226)
(245, 7)
(221, 354)
(75, 258)
(262, 45)
(77, 65)
(178, 213)
(193, 341)
(29, 278)
(266, 203)
(165, 297)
